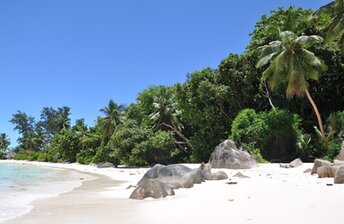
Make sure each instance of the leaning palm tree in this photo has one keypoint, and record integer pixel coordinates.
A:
(292, 64)
(110, 121)
(166, 115)
(335, 31)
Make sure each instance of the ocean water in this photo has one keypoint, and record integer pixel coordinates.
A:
(20, 185)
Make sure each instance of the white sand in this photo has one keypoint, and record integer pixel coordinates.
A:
(271, 195)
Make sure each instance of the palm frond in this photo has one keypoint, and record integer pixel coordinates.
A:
(336, 29)
(312, 60)
(265, 60)
(272, 47)
(308, 41)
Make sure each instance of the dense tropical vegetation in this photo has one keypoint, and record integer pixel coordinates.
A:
(255, 99)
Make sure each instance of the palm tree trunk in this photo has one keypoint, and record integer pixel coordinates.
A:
(315, 108)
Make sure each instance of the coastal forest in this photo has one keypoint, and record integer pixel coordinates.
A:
(281, 99)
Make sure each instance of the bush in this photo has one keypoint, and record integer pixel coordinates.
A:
(2, 155)
(85, 156)
(26, 155)
(335, 127)
(135, 145)
(274, 133)
(63, 147)
(333, 149)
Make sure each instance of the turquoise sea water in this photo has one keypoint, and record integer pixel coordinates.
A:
(20, 185)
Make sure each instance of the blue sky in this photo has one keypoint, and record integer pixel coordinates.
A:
(81, 53)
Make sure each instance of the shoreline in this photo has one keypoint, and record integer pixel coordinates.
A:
(113, 180)
(271, 194)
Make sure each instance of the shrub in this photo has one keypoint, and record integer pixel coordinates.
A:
(274, 133)
(85, 156)
(136, 145)
(2, 155)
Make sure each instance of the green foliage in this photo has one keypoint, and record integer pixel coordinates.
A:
(203, 102)
(335, 131)
(85, 156)
(134, 145)
(4, 142)
(258, 155)
(335, 126)
(274, 133)
(297, 20)
(2, 155)
(29, 155)
(333, 149)
(63, 147)
(335, 30)
(249, 127)
(110, 121)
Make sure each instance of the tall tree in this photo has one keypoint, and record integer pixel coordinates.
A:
(166, 116)
(291, 64)
(110, 121)
(4, 142)
(62, 118)
(25, 125)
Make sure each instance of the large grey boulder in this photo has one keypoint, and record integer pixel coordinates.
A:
(340, 156)
(227, 155)
(327, 171)
(319, 163)
(160, 180)
(339, 176)
(151, 188)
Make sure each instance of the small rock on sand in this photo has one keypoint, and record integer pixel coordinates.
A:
(240, 175)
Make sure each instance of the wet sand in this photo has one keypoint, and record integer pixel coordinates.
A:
(82, 205)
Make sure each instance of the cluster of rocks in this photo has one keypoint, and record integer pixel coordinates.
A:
(326, 168)
(160, 181)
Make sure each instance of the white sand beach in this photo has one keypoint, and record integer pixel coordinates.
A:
(271, 195)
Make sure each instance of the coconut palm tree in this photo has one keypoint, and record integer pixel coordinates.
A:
(4, 142)
(62, 118)
(166, 116)
(292, 64)
(110, 121)
(335, 31)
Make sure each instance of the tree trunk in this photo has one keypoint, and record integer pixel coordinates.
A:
(268, 96)
(175, 130)
(315, 108)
